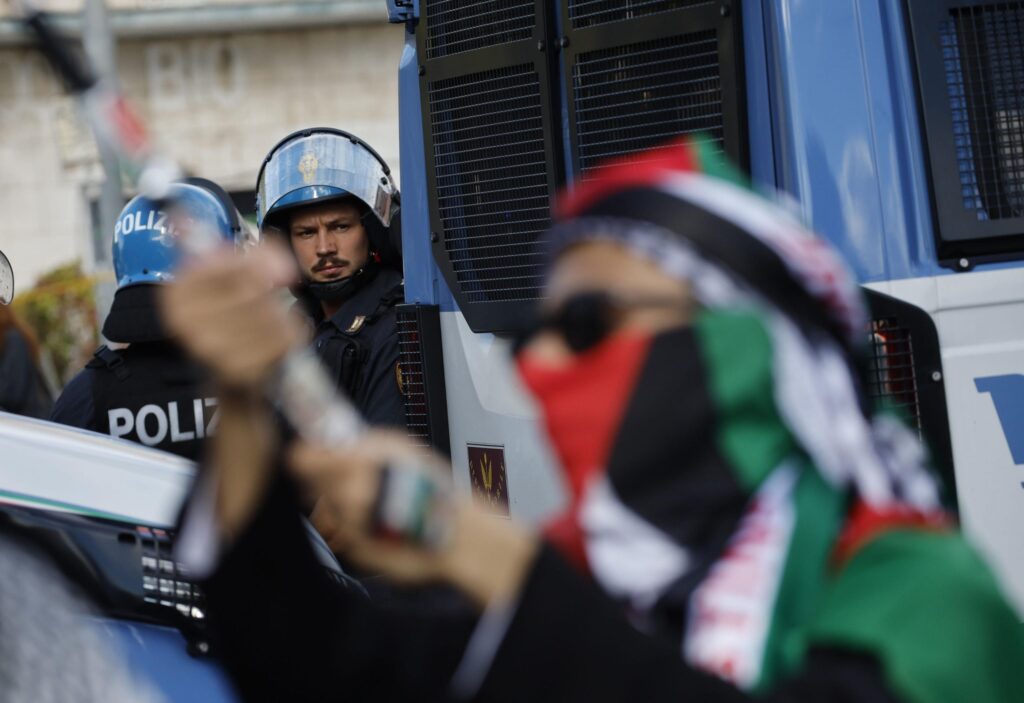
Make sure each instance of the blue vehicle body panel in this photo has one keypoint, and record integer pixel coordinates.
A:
(759, 104)
(1007, 393)
(158, 655)
(423, 281)
(848, 139)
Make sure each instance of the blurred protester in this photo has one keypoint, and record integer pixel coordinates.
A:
(22, 388)
(50, 648)
(147, 390)
(743, 526)
(331, 199)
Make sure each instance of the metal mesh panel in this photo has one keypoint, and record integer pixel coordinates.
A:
(633, 97)
(414, 388)
(491, 180)
(983, 51)
(891, 369)
(455, 26)
(164, 581)
(586, 13)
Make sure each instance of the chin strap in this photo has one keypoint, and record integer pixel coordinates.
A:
(343, 288)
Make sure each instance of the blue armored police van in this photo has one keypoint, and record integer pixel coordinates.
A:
(895, 127)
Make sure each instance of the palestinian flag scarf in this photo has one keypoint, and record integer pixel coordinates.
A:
(751, 503)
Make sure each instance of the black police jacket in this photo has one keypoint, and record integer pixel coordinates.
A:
(149, 393)
(359, 347)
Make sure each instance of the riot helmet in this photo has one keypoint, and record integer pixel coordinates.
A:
(145, 252)
(314, 166)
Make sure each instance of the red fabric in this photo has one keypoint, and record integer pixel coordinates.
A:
(582, 404)
(129, 127)
(646, 169)
(866, 523)
(584, 400)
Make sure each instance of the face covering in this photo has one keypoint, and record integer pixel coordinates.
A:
(583, 401)
(638, 413)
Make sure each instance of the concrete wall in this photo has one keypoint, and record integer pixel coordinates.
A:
(216, 103)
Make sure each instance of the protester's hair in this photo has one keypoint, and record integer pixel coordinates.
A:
(9, 320)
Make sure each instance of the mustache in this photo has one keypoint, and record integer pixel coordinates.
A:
(329, 262)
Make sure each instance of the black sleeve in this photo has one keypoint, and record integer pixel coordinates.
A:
(75, 405)
(287, 633)
(22, 389)
(380, 398)
(568, 642)
(16, 373)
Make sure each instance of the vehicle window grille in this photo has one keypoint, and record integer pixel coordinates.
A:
(456, 26)
(413, 382)
(165, 581)
(891, 374)
(630, 98)
(490, 169)
(983, 52)
(587, 13)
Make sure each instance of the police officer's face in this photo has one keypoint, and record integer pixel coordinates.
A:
(329, 241)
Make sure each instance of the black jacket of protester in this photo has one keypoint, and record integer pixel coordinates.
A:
(285, 632)
(22, 389)
(359, 346)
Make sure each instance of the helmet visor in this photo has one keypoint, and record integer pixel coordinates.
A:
(324, 163)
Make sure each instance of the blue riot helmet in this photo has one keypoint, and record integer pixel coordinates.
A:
(146, 252)
(313, 166)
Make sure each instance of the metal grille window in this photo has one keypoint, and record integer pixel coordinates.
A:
(491, 171)
(630, 98)
(970, 65)
(456, 26)
(904, 370)
(421, 376)
(163, 579)
(586, 13)
(643, 72)
(891, 373)
(499, 81)
(984, 55)
(413, 389)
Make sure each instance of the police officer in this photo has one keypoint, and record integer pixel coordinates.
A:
(146, 390)
(332, 200)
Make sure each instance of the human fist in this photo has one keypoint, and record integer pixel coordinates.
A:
(485, 557)
(225, 310)
(349, 481)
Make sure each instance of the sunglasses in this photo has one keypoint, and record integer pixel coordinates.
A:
(586, 319)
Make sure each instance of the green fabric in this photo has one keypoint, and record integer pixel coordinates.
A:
(737, 353)
(714, 163)
(928, 606)
(820, 511)
(924, 603)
